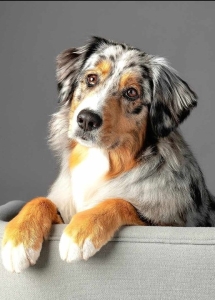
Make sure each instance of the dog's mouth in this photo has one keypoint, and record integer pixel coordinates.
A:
(85, 138)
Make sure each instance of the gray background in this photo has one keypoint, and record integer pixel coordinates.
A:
(33, 33)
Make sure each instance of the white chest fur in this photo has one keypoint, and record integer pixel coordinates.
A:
(86, 176)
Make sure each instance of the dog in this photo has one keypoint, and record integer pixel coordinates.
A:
(122, 159)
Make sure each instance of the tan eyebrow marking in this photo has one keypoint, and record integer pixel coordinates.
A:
(104, 66)
(128, 79)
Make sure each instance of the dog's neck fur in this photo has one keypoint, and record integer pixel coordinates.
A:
(91, 166)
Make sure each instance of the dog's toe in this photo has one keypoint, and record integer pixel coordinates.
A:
(17, 258)
(69, 251)
(88, 249)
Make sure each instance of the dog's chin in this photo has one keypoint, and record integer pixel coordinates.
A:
(91, 142)
(85, 142)
(82, 138)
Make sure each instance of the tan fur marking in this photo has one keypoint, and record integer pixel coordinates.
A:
(32, 224)
(129, 80)
(121, 161)
(104, 67)
(123, 130)
(77, 155)
(101, 222)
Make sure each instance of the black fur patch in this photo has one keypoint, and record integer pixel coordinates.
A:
(185, 113)
(59, 86)
(195, 194)
(137, 110)
(131, 65)
(123, 46)
(212, 206)
(102, 57)
(203, 223)
(111, 57)
(145, 71)
(95, 43)
(161, 118)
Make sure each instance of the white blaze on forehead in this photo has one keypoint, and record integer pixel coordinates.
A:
(93, 103)
(114, 50)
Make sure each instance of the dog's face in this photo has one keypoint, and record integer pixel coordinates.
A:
(115, 92)
(108, 106)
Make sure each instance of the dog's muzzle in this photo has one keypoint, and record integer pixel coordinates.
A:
(88, 120)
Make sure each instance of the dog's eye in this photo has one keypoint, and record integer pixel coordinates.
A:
(92, 80)
(131, 94)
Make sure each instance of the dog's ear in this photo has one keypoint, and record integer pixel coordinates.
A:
(68, 63)
(172, 98)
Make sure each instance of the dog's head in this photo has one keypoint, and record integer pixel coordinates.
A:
(115, 92)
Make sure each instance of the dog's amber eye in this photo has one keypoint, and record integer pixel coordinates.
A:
(131, 94)
(92, 80)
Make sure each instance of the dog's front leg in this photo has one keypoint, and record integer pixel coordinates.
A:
(89, 230)
(24, 235)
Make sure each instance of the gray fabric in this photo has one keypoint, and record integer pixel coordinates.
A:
(139, 263)
(10, 209)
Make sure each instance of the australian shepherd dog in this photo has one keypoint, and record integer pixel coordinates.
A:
(122, 159)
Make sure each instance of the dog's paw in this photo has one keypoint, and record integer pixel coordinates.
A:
(71, 251)
(17, 258)
(21, 245)
(91, 229)
(83, 237)
(24, 235)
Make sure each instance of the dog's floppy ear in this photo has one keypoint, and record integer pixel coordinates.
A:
(172, 98)
(68, 63)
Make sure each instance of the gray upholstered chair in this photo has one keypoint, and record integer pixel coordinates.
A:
(139, 263)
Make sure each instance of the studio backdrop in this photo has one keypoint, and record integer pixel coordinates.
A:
(33, 33)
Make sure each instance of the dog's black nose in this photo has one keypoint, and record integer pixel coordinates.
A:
(88, 120)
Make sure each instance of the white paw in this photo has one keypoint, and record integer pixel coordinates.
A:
(16, 259)
(88, 249)
(70, 251)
